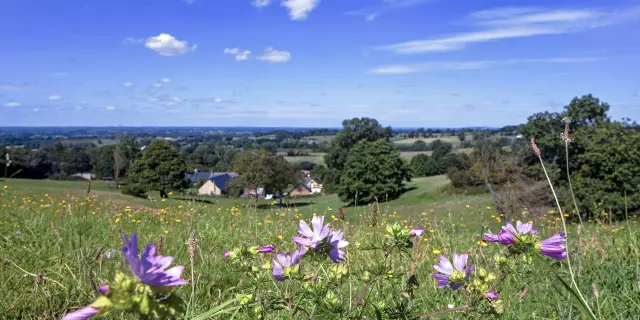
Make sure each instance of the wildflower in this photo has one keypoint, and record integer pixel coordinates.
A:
(468, 206)
(554, 247)
(453, 275)
(286, 264)
(336, 240)
(266, 249)
(417, 232)
(151, 269)
(492, 296)
(82, 313)
(436, 251)
(226, 253)
(311, 238)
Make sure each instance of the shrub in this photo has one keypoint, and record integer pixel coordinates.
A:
(134, 189)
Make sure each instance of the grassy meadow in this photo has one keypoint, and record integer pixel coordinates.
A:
(57, 243)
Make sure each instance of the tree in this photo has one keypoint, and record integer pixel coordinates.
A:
(462, 136)
(374, 170)
(353, 131)
(263, 169)
(424, 166)
(440, 149)
(160, 167)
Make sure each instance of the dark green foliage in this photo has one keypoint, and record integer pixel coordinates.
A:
(263, 169)
(134, 189)
(440, 149)
(609, 169)
(373, 170)
(319, 173)
(353, 131)
(462, 136)
(305, 165)
(424, 166)
(159, 168)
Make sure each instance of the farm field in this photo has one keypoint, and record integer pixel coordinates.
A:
(56, 243)
(449, 139)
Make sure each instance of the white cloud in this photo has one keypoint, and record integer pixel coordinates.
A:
(36, 109)
(506, 23)
(109, 108)
(12, 104)
(167, 45)
(370, 17)
(157, 85)
(217, 100)
(373, 12)
(127, 84)
(240, 55)
(470, 65)
(55, 97)
(260, 3)
(274, 56)
(300, 9)
(165, 80)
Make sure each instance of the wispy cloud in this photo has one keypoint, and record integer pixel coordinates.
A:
(12, 104)
(55, 97)
(506, 23)
(274, 56)
(470, 65)
(260, 3)
(300, 9)
(373, 12)
(241, 55)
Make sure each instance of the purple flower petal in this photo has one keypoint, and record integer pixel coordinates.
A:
(467, 272)
(284, 259)
(417, 232)
(492, 296)
(151, 269)
(303, 229)
(266, 249)
(443, 280)
(460, 261)
(104, 289)
(300, 241)
(491, 237)
(336, 255)
(81, 314)
(277, 271)
(226, 253)
(506, 237)
(444, 266)
(554, 247)
(318, 224)
(523, 228)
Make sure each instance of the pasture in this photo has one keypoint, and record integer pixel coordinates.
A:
(57, 243)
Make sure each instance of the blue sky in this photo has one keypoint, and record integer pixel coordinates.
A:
(312, 63)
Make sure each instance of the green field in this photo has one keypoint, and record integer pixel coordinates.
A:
(449, 139)
(55, 243)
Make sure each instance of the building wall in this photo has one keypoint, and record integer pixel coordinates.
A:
(209, 189)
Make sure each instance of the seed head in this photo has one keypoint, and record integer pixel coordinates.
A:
(565, 135)
(159, 245)
(595, 290)
(374, 214)
(341, 214)
(534, 146)
(191, 246)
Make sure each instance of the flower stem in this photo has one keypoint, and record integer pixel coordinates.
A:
(575, 203)
(564, 226)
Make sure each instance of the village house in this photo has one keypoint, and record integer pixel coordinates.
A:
(216, 184)
(306, 187)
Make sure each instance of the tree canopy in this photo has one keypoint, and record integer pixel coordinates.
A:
(161, 167)
(374, 170)
(263, 169)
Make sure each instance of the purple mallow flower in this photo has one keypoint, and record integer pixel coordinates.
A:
(312, 238)
(525, 234)
(336, 240)
(82, 313)
(492, 296)
(417, 232)
(151, 268)
(226, 253)
(266, 249)
(284, 261)
(554, 247)
(453, 275)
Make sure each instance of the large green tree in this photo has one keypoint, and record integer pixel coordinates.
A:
(353, 131)
(161, 167)
(374, 170)
(263, 169)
